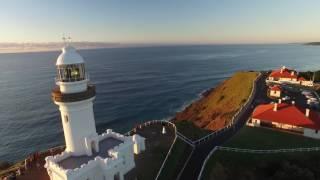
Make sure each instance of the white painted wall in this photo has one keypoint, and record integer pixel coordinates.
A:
(121, 161)
(78, 123)
(275, 93)
(73, 87)
(311, 133)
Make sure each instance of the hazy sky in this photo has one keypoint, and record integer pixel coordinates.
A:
(161, 21)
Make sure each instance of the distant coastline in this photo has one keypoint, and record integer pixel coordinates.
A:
(313, 43)
(6, 48)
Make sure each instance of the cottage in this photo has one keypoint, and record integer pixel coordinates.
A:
(275, 91)
(288, 117)
(286, 75)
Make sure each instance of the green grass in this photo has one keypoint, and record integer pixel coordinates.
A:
(239, 164)
(225, 164)
(261, 138)
(176, 160)
(188, 129)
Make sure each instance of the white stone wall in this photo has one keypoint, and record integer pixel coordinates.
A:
(122, 162)
(254, 122)
(311, 133)
(307, 83)
(73, 87)
(275, 93)
(139, 143)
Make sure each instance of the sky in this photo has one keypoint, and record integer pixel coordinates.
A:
(161, 21)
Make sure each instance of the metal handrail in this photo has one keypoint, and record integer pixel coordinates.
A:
(58, 79)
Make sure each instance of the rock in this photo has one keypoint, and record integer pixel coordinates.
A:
(4, 165)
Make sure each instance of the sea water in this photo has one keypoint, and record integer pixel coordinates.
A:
(133, 85)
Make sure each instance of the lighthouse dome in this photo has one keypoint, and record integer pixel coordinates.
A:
(68, 56)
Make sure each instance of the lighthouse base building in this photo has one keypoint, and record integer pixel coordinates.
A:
(88, 156)
(112, 160)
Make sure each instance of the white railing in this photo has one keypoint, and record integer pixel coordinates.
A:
(268, 151)
(206, 161)
(185, 139)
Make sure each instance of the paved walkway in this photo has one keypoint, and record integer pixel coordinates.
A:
(201, 151)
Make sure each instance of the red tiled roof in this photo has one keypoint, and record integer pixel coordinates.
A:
(286, 73)
(275, 88)
(287, 114)
(301, 79)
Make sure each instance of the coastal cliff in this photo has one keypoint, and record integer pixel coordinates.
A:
(218, 105)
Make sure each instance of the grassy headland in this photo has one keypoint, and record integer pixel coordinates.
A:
(217, 107)
(313, 43)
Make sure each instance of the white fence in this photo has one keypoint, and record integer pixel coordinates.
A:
(206, 161)
(268, 151)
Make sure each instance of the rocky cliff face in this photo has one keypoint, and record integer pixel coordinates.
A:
(217, 107)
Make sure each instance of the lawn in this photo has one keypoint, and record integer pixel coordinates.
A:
(261, 138)
(188, 129)
(176, 160)
(148, 162)
(228, 165)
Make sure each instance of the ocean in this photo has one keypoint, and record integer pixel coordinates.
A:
(133, 85)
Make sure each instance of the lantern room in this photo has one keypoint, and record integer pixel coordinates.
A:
(71, 74)
(70, 66)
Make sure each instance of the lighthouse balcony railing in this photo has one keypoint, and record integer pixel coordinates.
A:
(72, 79)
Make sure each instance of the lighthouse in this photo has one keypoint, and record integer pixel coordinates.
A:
(88, 155)
(74, 96)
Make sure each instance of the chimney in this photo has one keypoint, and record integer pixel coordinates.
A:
(292, 73)
(308, 101)
(275, 107)
(279, 101)
(307, 112)
(293, 102)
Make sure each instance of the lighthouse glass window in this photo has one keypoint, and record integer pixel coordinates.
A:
(72, 72)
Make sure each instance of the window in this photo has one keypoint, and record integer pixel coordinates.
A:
(66, 118)
(71, 72)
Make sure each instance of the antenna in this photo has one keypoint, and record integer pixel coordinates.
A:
(64, 39)
(69, 39)
(314, 73)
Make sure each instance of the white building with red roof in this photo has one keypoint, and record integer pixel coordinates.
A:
(286, 75)
(275, 91)
(288, 117)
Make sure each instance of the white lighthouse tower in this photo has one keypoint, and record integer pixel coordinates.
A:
(107, 156)
(74, 97)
